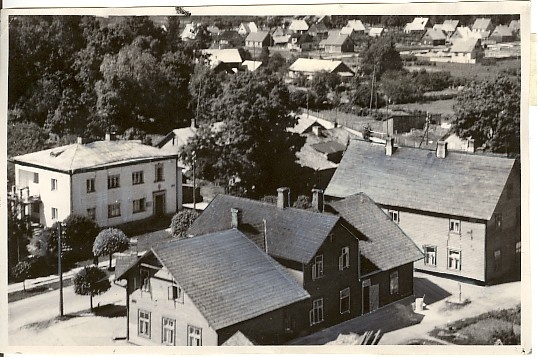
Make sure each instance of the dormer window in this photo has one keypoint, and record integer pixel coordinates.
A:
(454, 226)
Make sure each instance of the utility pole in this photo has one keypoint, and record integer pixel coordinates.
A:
(387, 116)
(60, 278)
(194, 155)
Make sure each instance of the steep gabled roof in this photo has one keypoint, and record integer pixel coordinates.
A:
(450, 25)
(228, 277)
(503, 31)
(376, 31)
(335, 39)
(418, 24)
(227, 55)
(181, 137)
(76, 157)
(357, 25)
(461, 184)
(318, 27)
(298, 25)
(434, 34)
(386, 245)
(258, 36)
(292, 234)
(251, 65)
(481, 24)
(311, 65)
(464, 45)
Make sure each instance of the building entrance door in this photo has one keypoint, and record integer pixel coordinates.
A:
(373, 297)
(159, 204)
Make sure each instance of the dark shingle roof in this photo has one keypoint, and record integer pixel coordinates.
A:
(292, 233)
(228, 277)
(462, 184)
(387, 246)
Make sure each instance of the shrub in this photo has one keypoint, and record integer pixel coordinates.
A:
(110, 241)
(21, 271)
(91, 281)
(182, 221)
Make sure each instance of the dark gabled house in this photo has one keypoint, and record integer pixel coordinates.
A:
(230, 39)
(463, 209)
(318, 31)
(257, 39)
(204, 290)
(300, 42)
(433, 37)
(502, 33)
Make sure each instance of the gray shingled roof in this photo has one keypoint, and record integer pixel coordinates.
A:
(464, 45)
(387, 246)
(462, 184)
(257, 36)
(228, 277)
(292, 233)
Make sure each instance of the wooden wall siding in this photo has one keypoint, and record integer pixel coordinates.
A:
(382, 279)
(504, 239)
(334, 280)
(157, 303)
(428, 230)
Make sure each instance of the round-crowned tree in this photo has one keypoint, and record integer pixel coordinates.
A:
(110, 241)
(91, 281)
(21, 271)
(182, 221)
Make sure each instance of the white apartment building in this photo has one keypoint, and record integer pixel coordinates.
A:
(112, 182)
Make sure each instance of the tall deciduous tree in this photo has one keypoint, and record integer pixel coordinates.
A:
(110, 241)
(382, 55)
(489, 113)
(80, 232)
(91, 281)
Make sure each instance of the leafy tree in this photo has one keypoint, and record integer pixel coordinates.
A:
(110, 241)
(21, 272)
(303, 202)
(182, 221)
(80, 232)
(91, 281)
(489, 112)
(361, 95)
(45, 244)
(382, 55)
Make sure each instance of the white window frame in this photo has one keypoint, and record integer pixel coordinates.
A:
(90, 213)
(54, 184)
(394, 282)
(194, 334)
(454, 225)
(113, 181)
(159, 172)
(344, 297)
(168, 331)
(114, 210)
(454, 259)
(90, 185)
(318, 267)
(394, 215)
(54, 213)
(139, 205)
(316, 314)
(430, 251)
(137, 177)
(144, 324)
(344, 258)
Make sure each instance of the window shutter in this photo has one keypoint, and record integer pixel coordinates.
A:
(171, 292)
(311, 316)
(341, 262)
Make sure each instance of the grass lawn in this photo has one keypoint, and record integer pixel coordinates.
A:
(444, 107)
(475, 71)
(484, 329)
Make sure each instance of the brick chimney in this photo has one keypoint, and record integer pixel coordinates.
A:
(193, 123)
(441, 149)
(470, 145)
(283, 197)
(390, 147)
(318, 199)
(235, 217)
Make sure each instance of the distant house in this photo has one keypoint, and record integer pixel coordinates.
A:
(514, 25)
(251, 65)
(224, 59)
(466, 51)
(433, 37)
(337, 43)
(356, 25)
(213, 30)
(300, 42)
(462, 33)
(483, 27)
(230, 39)
(448, 27)
(376, 31)
(246, 28)
(308, 67)
(463, 209)
(458, 144)
(281, 40)
(174, 141)
(168, 305)
(418, 25)
(319, 31)
(189, 32)
(298, 26)
(501, 33)
(257, 39)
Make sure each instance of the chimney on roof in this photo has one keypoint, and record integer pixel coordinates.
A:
(193, 123)
(110, 136)
(283, 197)
(441, 149)
(318, 199)
(390, 147)
(81, 140)
(471, 145)
(236, 217)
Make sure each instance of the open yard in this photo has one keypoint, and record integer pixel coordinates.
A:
(475, 71)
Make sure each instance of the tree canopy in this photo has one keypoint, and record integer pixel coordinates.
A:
(489, 112)
(182, 221)
(91, 281)
(110, 241)
(380, 55)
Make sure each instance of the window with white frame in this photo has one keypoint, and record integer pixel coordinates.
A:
(169, 332)
(344, 258)
(175, 293)
(394, 282)
(139, 205)
(394, 215)
(144, 323)
(318, 267)
(54, 213)
(54, 184)
(316, 314)
(90, 213)
(454, 226)
(90, 185)
(159, 172)
(454, 259)
(344, 296)
(138, 177)
(145, 280)
(114, 210)
(113, 181)
(194, 336)
(430, 254)
(36, 177)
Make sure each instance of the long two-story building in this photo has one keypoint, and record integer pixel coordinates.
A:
(462, 208)
(110, 181)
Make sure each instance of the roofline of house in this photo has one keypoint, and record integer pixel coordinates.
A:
(97, 168)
